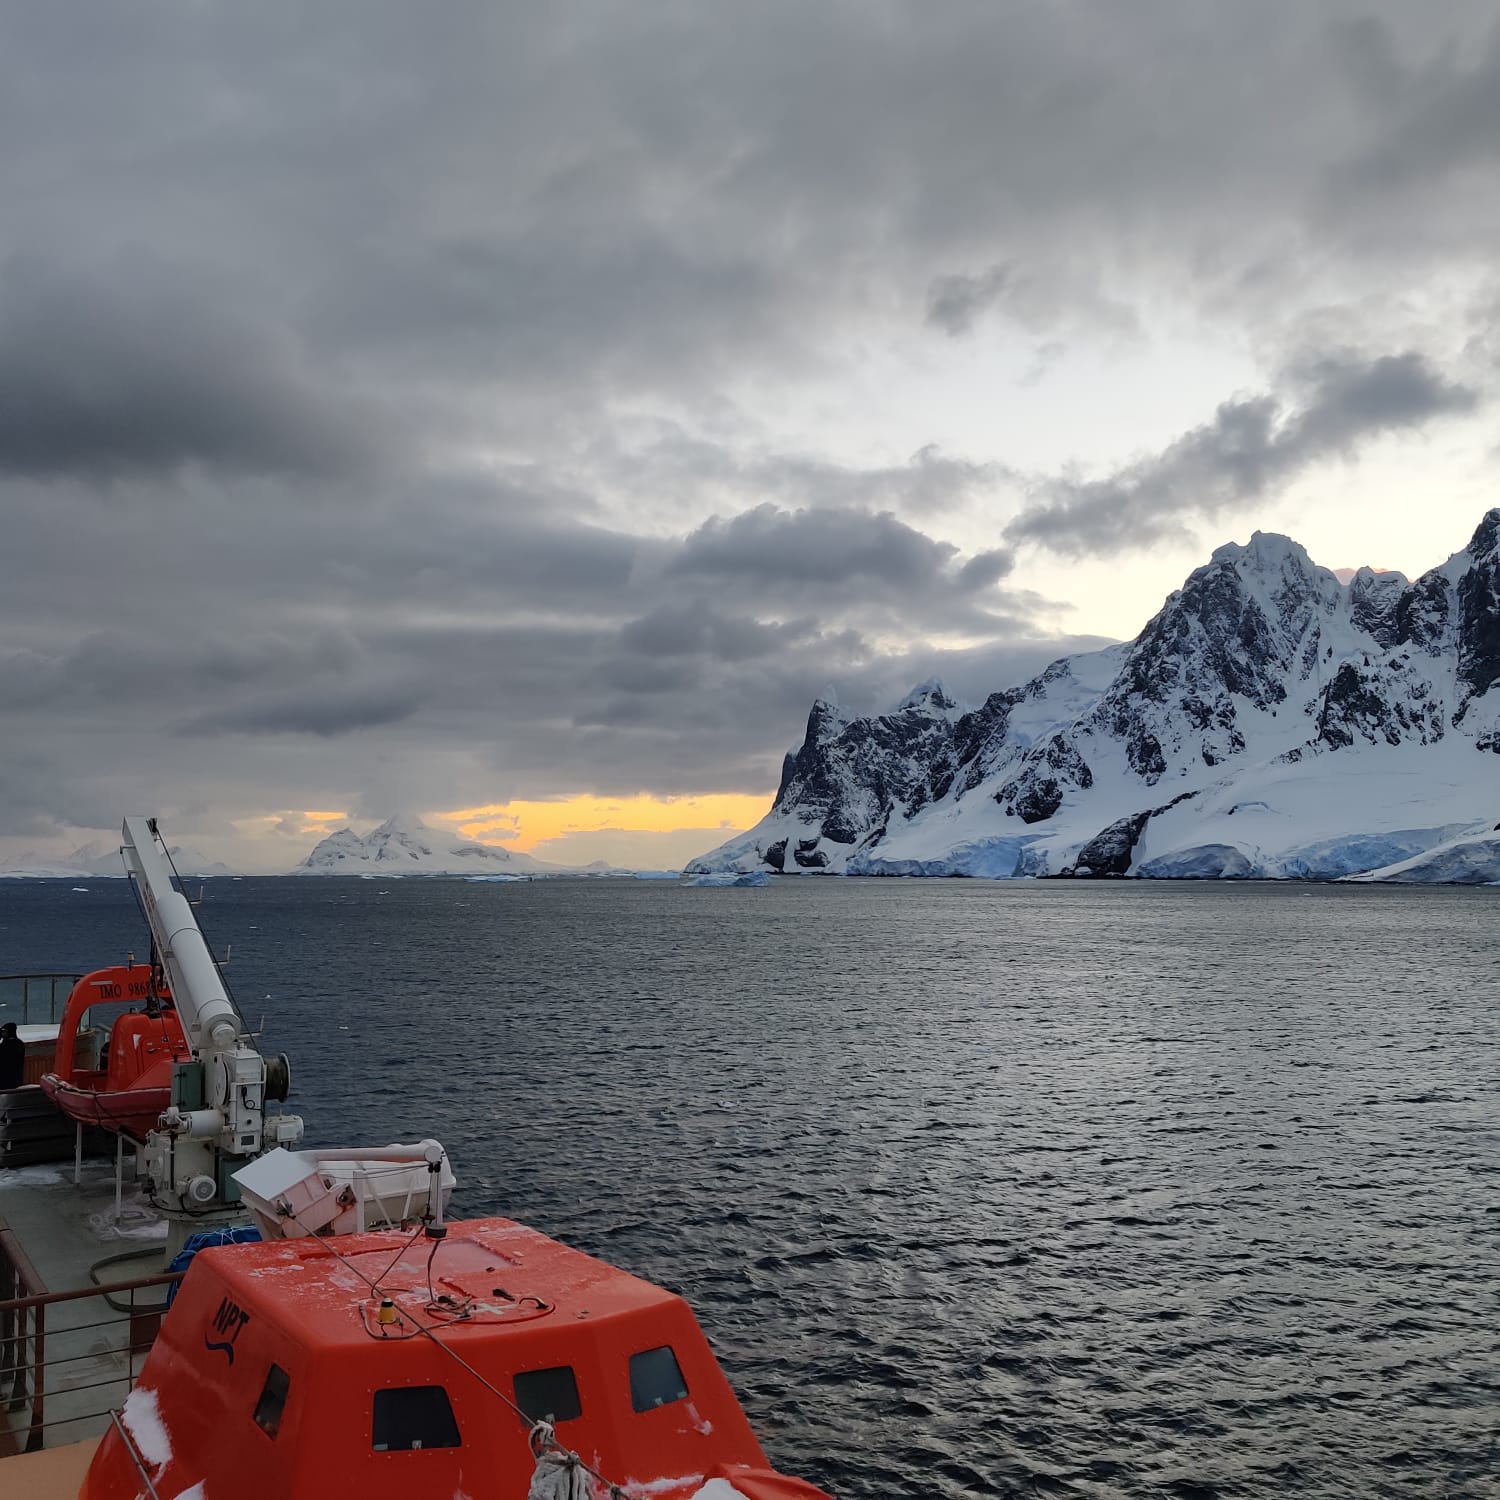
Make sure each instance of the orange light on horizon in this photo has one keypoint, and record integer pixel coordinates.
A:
(522, 825)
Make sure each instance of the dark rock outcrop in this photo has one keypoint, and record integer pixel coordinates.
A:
(1261, 657)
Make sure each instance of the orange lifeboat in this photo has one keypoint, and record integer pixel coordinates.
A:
(392, 1364)
(129, 1093)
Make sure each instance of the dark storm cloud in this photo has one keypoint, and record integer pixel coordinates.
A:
(581, 201)
(328, 712)
(1436, 118)
(694, 628)
(136, 370)
(829, 546)
(322, 339)
(955, 301)
(1348, 399)
(846, 565)
(927, 484)
(986, 568)
(110, 669)
(1251, 445)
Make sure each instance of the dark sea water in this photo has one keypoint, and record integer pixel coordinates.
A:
(979, 1189)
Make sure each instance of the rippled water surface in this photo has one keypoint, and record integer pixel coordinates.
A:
(979, 1189)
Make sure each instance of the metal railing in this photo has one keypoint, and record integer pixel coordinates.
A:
(30, 991)
(68, 1358)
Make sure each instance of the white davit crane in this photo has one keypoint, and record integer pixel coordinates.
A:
(214, 1152)
(217, 1119)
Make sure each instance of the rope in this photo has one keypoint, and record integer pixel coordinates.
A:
(559, 1473)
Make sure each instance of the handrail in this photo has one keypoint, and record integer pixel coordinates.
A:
(17, 1272)
(13, 1258)
(24, 1362)
(46, 1299)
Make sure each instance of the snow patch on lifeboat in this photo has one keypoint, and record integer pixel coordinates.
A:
(142, 1417)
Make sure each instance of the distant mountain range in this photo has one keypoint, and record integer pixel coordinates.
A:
(1271, 722)
(403, 845)
(100, 861)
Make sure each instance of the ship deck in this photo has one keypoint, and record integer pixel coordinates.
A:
(74, 1237)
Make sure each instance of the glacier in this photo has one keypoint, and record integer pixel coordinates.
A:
(1271, 721)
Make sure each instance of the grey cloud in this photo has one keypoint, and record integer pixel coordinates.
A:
(955, 301)
(1053, 293)
(1252, 445)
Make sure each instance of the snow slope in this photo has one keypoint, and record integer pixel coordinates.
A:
(405, 846)
(1271, 721)
(97, 861)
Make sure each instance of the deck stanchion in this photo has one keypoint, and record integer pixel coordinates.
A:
(38, 1378)
(77, 1153)
(119, 1177)
(12, 1325)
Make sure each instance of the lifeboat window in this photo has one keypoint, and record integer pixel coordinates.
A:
(413, 1416)
(655, 1379)
(272, 1401)
(550, 1394)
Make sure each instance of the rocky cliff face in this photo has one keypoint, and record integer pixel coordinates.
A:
(1262, 668)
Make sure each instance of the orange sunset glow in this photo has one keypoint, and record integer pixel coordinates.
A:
(525, 825)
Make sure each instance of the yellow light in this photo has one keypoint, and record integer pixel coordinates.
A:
(522, 825)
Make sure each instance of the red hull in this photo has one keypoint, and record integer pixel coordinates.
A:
(130, 1112)
(132, 1085)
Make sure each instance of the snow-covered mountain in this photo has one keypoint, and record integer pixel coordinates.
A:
(405, 846)
(98, 860)
(1270, 721)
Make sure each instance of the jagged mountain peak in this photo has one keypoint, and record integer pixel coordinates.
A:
(930, 695)
(1368, 576)
(1267, 551)
(403, 823)
(1263, 669)
(1484, 545)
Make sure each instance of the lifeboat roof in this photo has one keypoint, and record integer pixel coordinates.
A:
(483, 1273)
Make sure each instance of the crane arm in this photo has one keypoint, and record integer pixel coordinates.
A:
(209, 1018)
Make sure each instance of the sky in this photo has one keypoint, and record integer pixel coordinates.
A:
(517, 414)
